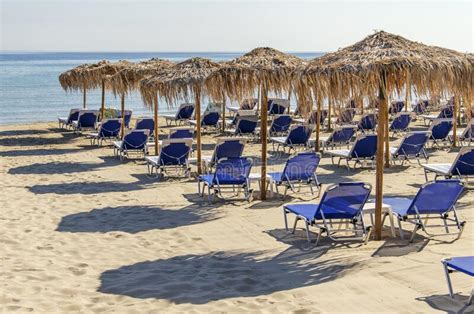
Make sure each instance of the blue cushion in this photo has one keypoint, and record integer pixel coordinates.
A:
(308, 211)
(463, 264)
(276, 176)
(305, 210)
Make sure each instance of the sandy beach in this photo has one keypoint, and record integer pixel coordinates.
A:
(83, 231)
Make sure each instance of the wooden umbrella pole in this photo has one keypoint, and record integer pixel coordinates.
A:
(259, 97)
(223, 112)
(407, 91)
(329, 116)
(197, 100)
(84, 97)
(102, 106)
(380, 159)
(122, 106)
(155, 107)
(455, 119)
(263, 134)
(387, 137)
(318, 122)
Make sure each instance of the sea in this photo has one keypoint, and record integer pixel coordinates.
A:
(30, 90)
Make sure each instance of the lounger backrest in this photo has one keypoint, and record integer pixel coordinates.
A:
(401, 121)
(228, 148)
(210, 118)
(87, 118)
(185, 111)
(345, 198)
(342, 135)
(396, 107)
(127, 117)
(468, 132)
(428, 200)
(440, 128)
(301, 166)
(446, 112)
(145, 124)
(232, 170)
(181, 133)
(135, 140)
(464, 163)
(347, 115)
(278, 106)
(351, 104)
(246, 124)
(280, 123)
(110, 128)
(248, 104)
(368, 121)
(73, 115)
(175, 152)
(413, 142)
(298, 134)
(312, 117)
(420, 107)
(365, 146)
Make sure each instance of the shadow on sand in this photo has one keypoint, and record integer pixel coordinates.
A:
(22, 132)
(446, 304)
(199, 279)
(39, 152)
(61, 167)
(89, 187)
(134, 219)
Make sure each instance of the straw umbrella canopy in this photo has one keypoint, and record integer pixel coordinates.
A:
(379, 64)
(128, 79)
(180, 81)
(265, 69)
(91, 76)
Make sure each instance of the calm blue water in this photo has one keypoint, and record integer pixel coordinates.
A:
(30, 90)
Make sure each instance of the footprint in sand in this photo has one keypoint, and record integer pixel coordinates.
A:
(76, 271)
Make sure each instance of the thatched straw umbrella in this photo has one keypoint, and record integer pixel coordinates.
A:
(91, 76)
(129, 78)
(265, 69)
(380, 64)
(182, 80)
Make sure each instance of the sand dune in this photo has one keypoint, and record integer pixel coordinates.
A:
(83, 231)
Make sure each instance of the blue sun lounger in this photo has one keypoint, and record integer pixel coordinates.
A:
(209, 120)
(231, 147)
(127, 117)
(229, 173)
(463, 264)
(346, 116)
(440, 131)
(299, 169)
(184, 113)
(109, 130)
(245, 125)
(134, 141)
(411, 146)
(400, 123)
(339, 137)
(340, 204)
(445, 113)
(396, 107)
(364, 148)
(298, 136)
(146, 124)
(67, 122)
(367, 122)
(174, 155)
(311, 119)
(280, 124)
(467, 135)
(278, 106)
(428, 205)
(462, 167)
(181, 132)
(247, 104)
(86, 120)
(420, 107)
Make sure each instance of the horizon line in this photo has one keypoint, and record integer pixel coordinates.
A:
(95, 51)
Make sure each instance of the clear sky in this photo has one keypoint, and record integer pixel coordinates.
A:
(126, 25)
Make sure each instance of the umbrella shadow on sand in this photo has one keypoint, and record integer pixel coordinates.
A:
(202, 278)
(61, 167)
(134, 219)
(89, 188)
